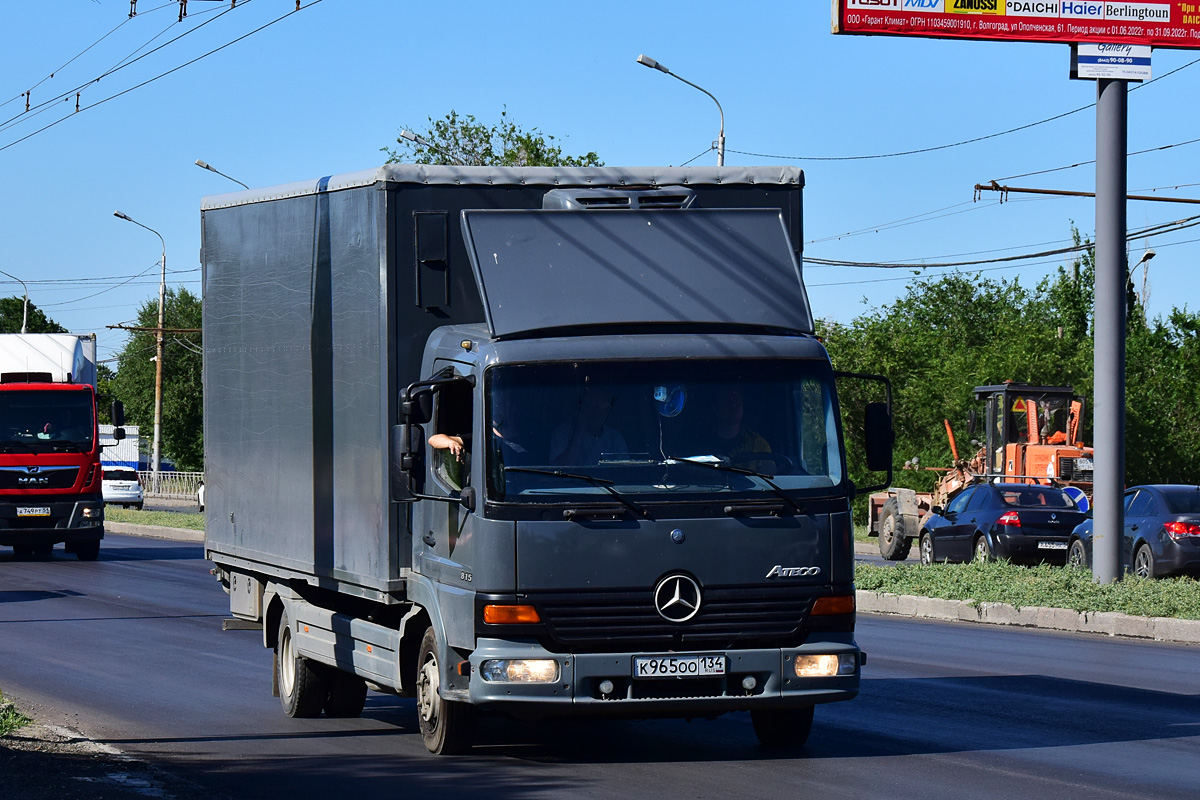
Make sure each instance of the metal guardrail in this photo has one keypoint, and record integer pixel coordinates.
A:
(171, 485)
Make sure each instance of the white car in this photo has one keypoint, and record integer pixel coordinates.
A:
(121, 486)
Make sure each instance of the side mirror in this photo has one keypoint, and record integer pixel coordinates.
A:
(117, 412)
(467, 497)
(417, 408)
(879, 435)
(407, 462)
(118, 434)
(941, 512)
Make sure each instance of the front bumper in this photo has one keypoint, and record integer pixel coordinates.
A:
(578, 690)
(68, 521)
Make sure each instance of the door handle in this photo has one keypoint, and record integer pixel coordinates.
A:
(429, 540)
(1133, 527)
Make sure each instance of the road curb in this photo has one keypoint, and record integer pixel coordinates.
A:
(1109, 623)
(154, 531)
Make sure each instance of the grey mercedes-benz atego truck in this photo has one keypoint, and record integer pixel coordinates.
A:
(536, 441)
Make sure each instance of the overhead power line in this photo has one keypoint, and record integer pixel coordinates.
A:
(215, 50)
(1151, 230)
(973, 140)
(1004, 190)
(129, 60)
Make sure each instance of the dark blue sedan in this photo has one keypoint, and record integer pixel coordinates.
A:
(1161, 535)
(1020, 522)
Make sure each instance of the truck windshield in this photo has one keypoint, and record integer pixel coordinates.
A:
(46, 420)
(654, 429)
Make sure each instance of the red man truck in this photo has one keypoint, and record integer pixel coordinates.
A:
(49, 444)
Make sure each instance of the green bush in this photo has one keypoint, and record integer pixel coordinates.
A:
(1054, 587)
(10, 718)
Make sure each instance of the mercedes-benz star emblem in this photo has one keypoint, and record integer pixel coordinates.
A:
(677, 598)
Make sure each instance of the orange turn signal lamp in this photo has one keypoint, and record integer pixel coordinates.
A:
(510, 615)
(838, 604)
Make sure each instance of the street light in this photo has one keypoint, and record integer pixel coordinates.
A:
(207, 166)
(647, 61)
(415, 139)
(25, 313)
(158, 356)
(1144, 260)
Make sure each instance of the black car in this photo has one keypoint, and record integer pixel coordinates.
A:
(1020, 522)
(1161, 535)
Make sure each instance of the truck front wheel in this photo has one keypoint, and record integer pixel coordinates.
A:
(787, 727)
(894, 542)
(303, 684)
(448, 727)
(87, 551)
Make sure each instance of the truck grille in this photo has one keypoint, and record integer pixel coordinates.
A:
(627, 621)
(44, 478)
(1068, 472)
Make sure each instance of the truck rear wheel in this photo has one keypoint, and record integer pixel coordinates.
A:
(448, 727)
(347, 695)
(778, 728)
(894, 542)
(87, 551)
(303, 684)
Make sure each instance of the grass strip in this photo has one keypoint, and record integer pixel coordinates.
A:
(1043, 585)
(166, 519)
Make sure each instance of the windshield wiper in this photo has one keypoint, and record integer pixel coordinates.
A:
(741, 471)
(602, 483)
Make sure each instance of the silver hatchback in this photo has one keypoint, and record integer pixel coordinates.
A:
(121, 486)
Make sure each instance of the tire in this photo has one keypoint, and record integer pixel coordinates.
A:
(139, 506)
(983, 551)
(22, 550)
(347, 695)
(894, 542)
(448, 727)
(1143, 561)
(303, 684)
(87, 551)
(1077, 555)
(43, 549)
(926, 548)
(782, 728)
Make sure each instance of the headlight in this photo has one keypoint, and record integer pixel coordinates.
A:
(826, 666)
(90, 513)
(524, 670)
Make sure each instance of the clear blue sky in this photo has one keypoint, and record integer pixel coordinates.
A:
(321, 92)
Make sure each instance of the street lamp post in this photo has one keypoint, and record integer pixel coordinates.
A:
(158, 357)
(1144, 263)
(646, 61)
(25, 312)
(207, 166)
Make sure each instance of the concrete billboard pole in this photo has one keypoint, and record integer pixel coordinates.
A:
(1109, 407)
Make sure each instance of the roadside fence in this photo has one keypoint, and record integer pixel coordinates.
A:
(171, 485)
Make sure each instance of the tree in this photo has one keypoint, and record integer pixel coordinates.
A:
(948, 334)
(12, 311)
(464, 141)
(183, 396)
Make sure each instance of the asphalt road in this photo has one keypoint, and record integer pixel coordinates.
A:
(129, 650)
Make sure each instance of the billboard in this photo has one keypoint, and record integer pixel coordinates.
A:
(1160, 24)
